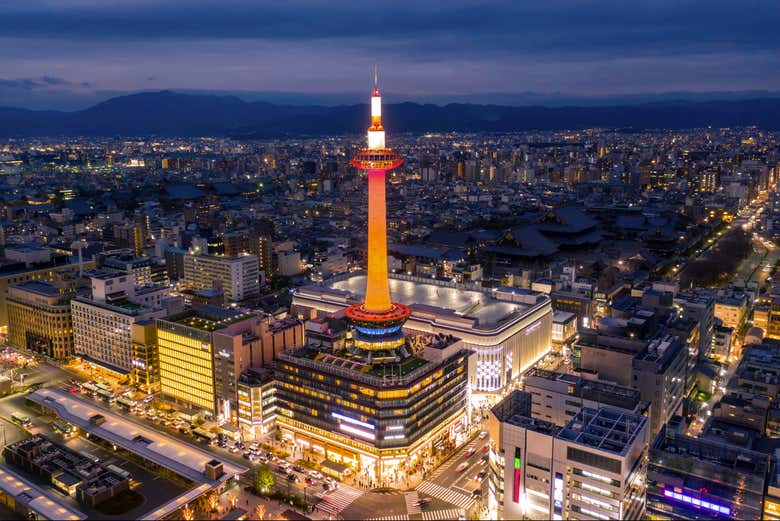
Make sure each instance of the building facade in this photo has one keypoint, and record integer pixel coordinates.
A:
(238, 276)
(40, 319)
(594, 467)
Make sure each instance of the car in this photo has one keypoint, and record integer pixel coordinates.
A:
(476, 492)
(481, 475)
(326, 487)
(483, 435)
(485, 457)
(462, 467)
(424, 500)
(261, 459)
(468, 453)
(233, 450)
(298, 468)
(315, 474)
(309, 480)
(292, 477)
(247, 455)
(270, 456)
(486, 448)
(332, 482)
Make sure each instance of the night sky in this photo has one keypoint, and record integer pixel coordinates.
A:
(72, 53)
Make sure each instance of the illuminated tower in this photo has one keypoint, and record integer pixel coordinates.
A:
(377, 320)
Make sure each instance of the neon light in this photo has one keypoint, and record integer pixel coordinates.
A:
(558, 496)
(395, 428)
(357, 432)
(696, 502)
(353, 420)
(517, 476)
(376, 331)
(395, 437)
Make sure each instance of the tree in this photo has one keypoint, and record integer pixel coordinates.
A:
(260, 512)
(264, 479)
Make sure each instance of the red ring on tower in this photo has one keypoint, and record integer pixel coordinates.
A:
(383, 159)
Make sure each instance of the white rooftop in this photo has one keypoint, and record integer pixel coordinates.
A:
(463, 302)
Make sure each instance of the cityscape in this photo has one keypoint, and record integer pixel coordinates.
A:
(220, 301)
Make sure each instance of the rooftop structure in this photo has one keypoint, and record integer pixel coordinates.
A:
(32, 499)
(168, 452)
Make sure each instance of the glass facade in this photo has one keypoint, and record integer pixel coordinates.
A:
(186, 364)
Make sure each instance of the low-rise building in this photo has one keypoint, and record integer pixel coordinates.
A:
(695, 478)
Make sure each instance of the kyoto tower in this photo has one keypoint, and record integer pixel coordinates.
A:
(377, 320)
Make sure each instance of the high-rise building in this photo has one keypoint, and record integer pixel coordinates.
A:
(256, 402)
(39, 319)
(595, 467)
(102, 323)
(146, 357)
(203, 351)
(238, 276)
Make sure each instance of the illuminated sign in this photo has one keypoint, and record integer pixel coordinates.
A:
(558, 496)
(517, 476)
(533, 327)
(697, 502)
(352, 420)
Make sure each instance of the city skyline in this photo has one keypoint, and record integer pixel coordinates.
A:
(72, 54)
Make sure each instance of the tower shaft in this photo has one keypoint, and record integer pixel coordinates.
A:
(377, 287)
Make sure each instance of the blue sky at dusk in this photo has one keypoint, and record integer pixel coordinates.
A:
(71, 53)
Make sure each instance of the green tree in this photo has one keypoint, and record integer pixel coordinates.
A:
(264, 479)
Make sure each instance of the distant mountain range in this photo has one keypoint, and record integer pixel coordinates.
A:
(169, 113)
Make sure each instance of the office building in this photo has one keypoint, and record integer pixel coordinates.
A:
(594, 467)
(102, 324)
(237, 276)
(203, 351)
(63, 276)
(256, 402)
(39, 319)
(558, 397)
(146, 356)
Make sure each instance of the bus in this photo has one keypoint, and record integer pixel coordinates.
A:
(66, 429)
(90, 388)
(203, 433)
(21, 419)
(106, 395)
(104, 387)
(125, 403)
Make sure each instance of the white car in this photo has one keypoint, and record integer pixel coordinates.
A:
(462, 466)
(315, 474)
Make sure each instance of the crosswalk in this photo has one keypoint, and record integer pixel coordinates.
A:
(412, 500)
(396, 517)
(336, 501)
(445, 494)
(451, 514)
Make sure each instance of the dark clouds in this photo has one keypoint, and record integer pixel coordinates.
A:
(458, 46)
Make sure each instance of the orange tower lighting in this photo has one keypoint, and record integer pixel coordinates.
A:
(377, 316)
